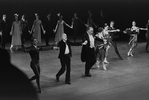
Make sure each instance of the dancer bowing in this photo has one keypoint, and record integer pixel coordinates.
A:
(59, 29)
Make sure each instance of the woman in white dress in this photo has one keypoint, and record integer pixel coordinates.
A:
(16, 33)
(36, 28)
(59, 29)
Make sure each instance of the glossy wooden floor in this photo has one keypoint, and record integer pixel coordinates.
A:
(126, 79)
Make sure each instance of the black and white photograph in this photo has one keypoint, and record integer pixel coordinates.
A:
(74, 49)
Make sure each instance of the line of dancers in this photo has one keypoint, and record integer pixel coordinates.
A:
(107, 34)
(93, 51)
(20, 30)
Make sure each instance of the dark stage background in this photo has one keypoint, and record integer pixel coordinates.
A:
(123, 12)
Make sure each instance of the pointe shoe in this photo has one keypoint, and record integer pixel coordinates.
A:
(97, 64)
(128, 54)
(104, 67)
(131, 54)
(11, 50)
(105, 61)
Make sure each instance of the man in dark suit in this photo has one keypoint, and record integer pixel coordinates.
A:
(64, 56)
(89, 51)
(4, 31)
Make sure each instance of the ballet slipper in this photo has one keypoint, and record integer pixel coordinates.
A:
(104, 67)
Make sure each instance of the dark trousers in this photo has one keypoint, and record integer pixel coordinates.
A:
(90, 60)
(65, 65)
(36, 69)
(74, 37)
(75, 33)
(47, 38)
(113, 42)
(3, 42)
(23, 39)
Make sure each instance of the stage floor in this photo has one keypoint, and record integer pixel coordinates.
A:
(126, 79)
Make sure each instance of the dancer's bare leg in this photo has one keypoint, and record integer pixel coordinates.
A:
(106, 54)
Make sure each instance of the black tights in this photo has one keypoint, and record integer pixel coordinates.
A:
(36, 69)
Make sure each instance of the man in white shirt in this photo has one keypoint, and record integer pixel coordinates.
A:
(90, 51)
(64, 56)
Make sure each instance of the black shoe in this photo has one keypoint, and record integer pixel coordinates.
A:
(39, 91)
(68, 83)
(120, 58)
(47, 45)
(57, 79)
(88, 75)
